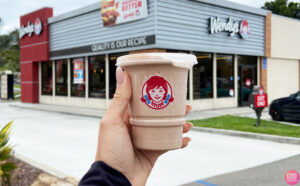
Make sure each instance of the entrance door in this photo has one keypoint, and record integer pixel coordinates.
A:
(246, 81)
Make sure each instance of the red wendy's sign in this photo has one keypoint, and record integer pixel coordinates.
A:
(34, 35)
(36, 27)
(261, 99)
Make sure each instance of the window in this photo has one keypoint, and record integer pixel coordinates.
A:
(61, 80)
(97, 76)
(112, 72)
(225, 76)
(203, 76)
(78, 77)
(47, 78)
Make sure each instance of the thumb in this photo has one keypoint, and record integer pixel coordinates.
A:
(122, 95)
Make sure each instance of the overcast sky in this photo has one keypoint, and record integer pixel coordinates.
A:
(11, 10)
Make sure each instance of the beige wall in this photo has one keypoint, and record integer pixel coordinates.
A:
(283, 77)
(285, 38)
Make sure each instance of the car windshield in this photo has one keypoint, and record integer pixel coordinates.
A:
(292, 95)
(297, 96)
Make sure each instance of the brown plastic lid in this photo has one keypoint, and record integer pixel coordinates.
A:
(177, 59)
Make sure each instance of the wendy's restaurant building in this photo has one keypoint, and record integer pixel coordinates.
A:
(70, 59)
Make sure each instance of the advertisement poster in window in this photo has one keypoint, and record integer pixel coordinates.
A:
(121, 11)
(78, 71)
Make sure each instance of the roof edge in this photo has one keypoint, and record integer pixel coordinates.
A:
(45, 7)
(284, 17)
(236, 6)
(74, 13)
(220, 3)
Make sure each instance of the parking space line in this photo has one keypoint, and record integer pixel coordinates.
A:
(205, 183)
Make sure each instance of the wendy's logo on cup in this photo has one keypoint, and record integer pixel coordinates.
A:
(157, 93)
(244, 29)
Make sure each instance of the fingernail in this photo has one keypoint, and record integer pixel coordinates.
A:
(189, 139)
(119, 76)
(190, 124)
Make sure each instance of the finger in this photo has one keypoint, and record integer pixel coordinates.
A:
(185, 141)
(188, 108)
(126, 117)
(122, 95)
(126, 120)
(187, 126)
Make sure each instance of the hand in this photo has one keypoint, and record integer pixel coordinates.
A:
(115, 147)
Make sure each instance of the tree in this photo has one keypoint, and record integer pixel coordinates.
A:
(284, 8)
(10, 51)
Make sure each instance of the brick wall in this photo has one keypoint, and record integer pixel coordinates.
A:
(268, 34)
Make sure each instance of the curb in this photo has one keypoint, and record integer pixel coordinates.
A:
(43, 167)
(267, 137)
(61, 111)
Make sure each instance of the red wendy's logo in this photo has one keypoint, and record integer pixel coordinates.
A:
(261, 91)
(157, 93)
(244, 29)
(38, 26)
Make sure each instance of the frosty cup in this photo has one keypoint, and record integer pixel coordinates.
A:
(157, 106)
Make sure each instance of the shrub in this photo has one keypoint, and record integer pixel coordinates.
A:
(6, 167)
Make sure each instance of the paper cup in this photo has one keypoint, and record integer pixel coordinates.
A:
(157, 106)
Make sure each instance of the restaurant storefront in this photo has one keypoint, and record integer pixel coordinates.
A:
(78, 66)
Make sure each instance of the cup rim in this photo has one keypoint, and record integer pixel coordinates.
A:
(177, 59)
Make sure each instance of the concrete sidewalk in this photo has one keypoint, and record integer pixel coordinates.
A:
(79, 111)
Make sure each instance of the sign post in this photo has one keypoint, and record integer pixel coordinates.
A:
(258, 101)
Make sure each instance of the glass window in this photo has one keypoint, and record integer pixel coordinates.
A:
(47, 78)
(225, 76)
(97, 76)
(188, 78)
(112, 72)
(203, 76)
(61, 80)
(78, 77)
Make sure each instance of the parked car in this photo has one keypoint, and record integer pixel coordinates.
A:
(287, 108)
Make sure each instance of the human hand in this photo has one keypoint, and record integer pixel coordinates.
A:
(115, 147)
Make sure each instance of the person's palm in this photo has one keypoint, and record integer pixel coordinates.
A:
(114, 144)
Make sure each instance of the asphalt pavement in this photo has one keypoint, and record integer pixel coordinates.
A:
(65, 145)
(270, 174)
